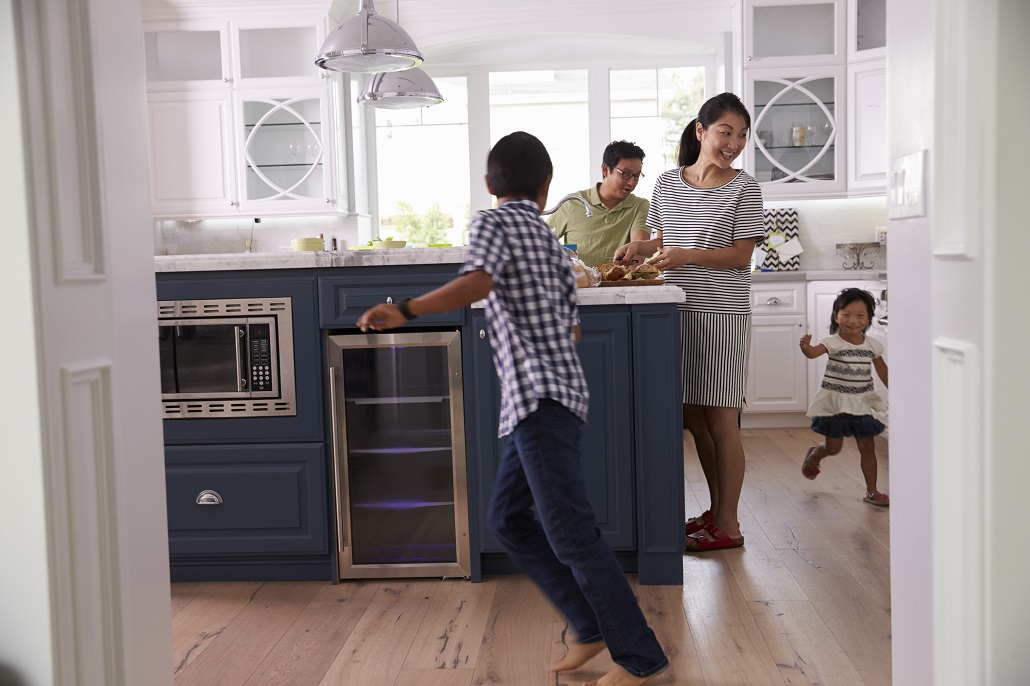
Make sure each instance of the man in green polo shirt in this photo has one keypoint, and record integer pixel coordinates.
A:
(618, 214)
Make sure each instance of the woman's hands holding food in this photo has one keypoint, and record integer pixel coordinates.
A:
(669, 258)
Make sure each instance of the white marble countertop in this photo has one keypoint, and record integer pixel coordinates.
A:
(308, 260)
(608, 295)
(821, 275)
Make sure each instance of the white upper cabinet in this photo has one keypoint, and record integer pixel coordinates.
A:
(815, 82)
(239, 117)
(867, 30)
(793, 32)
(867, 127)
(797, 130)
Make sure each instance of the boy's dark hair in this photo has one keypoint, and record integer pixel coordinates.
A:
(846, 297)
(710, 112)
(621, 150)
(517, 165)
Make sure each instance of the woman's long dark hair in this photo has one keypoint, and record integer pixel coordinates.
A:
(710, 112)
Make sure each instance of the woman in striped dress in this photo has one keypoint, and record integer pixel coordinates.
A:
(706, 218)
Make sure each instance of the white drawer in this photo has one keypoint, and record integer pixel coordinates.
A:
(777, 298)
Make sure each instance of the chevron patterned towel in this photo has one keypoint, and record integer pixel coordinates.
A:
(780, 222)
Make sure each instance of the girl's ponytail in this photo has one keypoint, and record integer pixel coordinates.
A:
(690, 146)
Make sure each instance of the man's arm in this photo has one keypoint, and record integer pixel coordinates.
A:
(457, 293)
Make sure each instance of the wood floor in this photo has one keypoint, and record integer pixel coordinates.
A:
(807, 601)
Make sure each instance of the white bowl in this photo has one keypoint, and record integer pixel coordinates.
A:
(379, 245)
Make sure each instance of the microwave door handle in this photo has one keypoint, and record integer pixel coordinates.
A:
(241, 383)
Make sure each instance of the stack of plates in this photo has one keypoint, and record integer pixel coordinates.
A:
(307, 244)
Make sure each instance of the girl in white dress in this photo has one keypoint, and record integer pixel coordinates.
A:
(846, 400)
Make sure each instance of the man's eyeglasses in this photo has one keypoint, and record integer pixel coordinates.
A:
(626, 176)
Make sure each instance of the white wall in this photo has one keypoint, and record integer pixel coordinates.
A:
(84, 598)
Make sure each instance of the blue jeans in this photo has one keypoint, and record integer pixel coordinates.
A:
(563, 552)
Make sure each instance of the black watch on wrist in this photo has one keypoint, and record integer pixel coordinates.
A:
(403, 307)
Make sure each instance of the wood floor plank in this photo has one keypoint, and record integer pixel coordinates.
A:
(304, 653)
(183, 593)
(434, 677)
(204, 619)
(860, 626)
(804, 648)
(452, 630)
(516, 645)
(377, 647)
(252, 634)
(730, 646)
(663, 608)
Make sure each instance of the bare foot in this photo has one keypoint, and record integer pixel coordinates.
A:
(619, 677)
(578, 655)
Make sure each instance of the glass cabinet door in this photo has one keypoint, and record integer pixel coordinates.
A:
(283, 149)
(179, 58)
(795, 132)
(783, 32)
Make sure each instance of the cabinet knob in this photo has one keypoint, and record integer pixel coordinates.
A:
(233, 203)
(801, 325)
(389, 300)
(226, 79)
(482, 333)
(209, 498)
(772, 301)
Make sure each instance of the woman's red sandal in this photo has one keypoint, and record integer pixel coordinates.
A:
(692, 527)
(699, 543)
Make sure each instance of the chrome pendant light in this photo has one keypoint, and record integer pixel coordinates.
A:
(400, 90)
(368, 43)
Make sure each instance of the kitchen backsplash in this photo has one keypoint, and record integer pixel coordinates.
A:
(825, 223)
(822, 223)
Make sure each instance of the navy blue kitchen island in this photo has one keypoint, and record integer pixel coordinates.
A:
(275, 476)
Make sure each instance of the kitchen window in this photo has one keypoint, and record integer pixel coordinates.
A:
(552, 105)
(422, 168)
(651, 107)
(430, 163)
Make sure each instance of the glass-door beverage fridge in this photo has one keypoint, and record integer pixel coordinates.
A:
(399, 454)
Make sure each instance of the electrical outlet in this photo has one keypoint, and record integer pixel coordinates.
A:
(881, 235)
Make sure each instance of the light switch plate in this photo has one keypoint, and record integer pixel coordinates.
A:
(906, 194)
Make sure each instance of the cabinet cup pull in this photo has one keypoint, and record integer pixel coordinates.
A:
(772, 301)
(209, 498)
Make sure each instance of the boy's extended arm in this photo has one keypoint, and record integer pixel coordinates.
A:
(460, 292)
(881, 370)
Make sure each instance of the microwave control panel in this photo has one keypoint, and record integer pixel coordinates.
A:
(260, 357)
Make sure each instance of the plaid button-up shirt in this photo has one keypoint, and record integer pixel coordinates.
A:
(530, 311)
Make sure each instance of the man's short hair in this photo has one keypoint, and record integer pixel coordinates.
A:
(621, 150)
(518, 165)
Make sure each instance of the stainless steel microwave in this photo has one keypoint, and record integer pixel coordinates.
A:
(227, 358)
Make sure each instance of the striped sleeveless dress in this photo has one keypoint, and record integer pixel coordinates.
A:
(715, 319)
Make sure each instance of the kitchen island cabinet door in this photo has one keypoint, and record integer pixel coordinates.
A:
(607, 440)
(240, 512)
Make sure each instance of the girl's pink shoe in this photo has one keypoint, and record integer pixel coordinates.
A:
(877, 498)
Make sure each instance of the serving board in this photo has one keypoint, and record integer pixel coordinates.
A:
(634, 282)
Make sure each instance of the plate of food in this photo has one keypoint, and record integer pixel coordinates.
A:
(630, 275)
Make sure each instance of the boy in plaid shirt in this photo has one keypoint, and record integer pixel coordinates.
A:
(517, 265)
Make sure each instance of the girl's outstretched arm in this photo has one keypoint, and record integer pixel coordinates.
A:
(881, 370)
(811, 351)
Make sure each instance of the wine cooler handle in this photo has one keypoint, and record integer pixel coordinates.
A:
(333, 372)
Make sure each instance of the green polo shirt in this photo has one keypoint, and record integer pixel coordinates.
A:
(599, 236)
